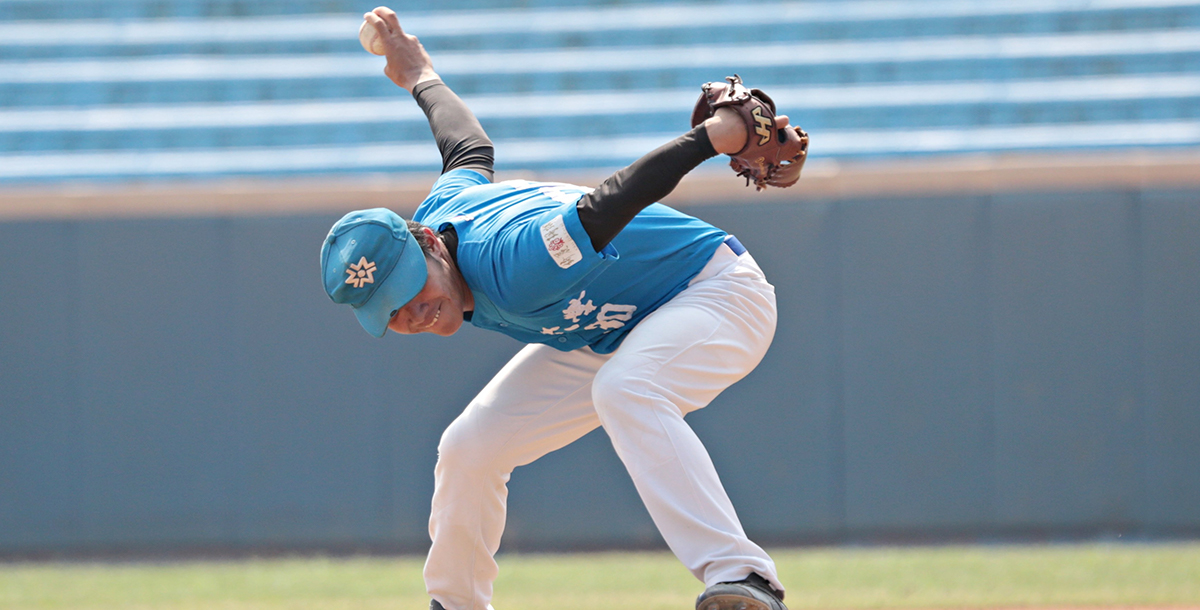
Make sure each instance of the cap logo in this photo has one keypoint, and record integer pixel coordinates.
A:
(361, 273)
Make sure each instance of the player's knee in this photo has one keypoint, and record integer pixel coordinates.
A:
(604, 391)
(613, 391)
(630, 390)
(460, 445)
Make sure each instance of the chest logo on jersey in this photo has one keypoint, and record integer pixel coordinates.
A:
(361, 273)
(559, 244)
(610, 316)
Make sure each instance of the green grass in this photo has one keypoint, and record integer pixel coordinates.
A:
(905, 577)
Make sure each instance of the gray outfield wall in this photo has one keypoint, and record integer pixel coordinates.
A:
(958, 367)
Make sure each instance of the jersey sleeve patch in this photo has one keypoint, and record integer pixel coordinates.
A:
(559, 244)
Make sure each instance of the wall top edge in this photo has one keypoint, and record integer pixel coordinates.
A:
(822, 180)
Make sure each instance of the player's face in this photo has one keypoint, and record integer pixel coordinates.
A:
(438, 308)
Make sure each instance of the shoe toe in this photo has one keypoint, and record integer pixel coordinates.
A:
(727, 596)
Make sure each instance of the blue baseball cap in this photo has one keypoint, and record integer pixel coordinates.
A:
(372, 263)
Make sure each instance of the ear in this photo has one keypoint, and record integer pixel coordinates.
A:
(439, 247)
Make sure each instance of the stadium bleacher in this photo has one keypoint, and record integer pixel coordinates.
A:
(117, 90)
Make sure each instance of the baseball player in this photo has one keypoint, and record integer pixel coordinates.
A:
(635, 315)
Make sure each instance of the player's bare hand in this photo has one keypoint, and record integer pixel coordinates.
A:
(727, 131)
(408, 64)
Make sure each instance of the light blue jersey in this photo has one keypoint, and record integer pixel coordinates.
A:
(532, 269)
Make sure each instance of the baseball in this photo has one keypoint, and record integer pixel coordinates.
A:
(369, 37)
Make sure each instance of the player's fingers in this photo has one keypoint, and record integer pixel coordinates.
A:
(379, 24)
(389, 17)
(781, 121)
(793, 142)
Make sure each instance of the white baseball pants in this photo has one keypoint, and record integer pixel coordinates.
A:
(673, 362)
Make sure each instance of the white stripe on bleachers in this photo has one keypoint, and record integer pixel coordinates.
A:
(1101, 136)
(789, 99)
(600, 152)
(714, 57)
(209, 162)
(463, 23)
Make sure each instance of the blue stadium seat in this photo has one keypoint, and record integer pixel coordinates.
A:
(929, 65)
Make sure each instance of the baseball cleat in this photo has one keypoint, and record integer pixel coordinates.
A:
(750, 593)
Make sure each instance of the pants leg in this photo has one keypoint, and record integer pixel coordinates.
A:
(540, 401)
(676, 361)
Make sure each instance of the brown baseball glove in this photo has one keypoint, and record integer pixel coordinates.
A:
(772, 156)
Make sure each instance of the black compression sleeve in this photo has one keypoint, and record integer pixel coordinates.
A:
(459, 136)
(605, 211)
